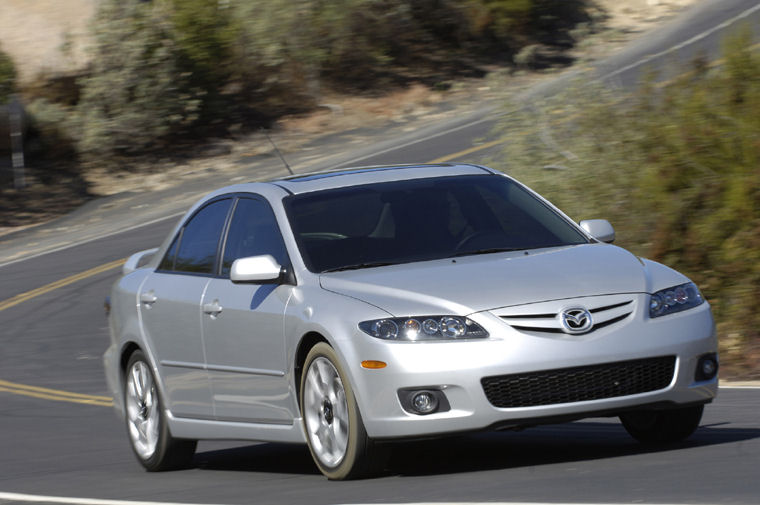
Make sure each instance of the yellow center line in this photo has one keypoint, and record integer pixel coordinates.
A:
(57, 392)
(465, 152)
(28, 295)
(54, 394)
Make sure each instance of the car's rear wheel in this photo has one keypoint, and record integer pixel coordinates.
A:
(332, 422)
(148, 431)
(662, 426)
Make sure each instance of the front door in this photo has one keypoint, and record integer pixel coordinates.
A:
(243, 325)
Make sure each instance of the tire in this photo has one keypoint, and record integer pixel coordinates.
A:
(332, 422)
(147, 428)
(661, 427)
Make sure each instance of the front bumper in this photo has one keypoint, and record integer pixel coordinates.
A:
(457, 369)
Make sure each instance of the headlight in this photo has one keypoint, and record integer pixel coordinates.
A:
(423, 328)
(675, 299)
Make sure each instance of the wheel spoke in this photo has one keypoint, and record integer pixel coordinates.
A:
(315, 386)
(151, 430)
(323, 434)
(148, 398)
(145, 382)
(325, 375)
(136, 382)
(340, 434)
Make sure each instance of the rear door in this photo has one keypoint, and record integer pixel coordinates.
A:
(170, 306)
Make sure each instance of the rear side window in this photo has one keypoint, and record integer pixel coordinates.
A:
(195, 248)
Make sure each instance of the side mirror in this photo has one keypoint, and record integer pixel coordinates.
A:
(600, 229)
(256, 269)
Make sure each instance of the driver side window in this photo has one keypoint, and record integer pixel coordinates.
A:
(253, 232)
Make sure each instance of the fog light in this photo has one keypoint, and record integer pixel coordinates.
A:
(424, 402)
(707, 367)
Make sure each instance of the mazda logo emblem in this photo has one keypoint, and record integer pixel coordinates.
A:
(576, 320)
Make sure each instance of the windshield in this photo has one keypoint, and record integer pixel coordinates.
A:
(421, 219)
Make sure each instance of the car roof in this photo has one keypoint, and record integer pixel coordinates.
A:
(306, 183)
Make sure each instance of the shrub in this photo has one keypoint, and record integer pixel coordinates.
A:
(136, 93)
(48, 135)
(675, 169)
(7, 77)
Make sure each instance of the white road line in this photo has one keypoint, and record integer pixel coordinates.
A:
(490, 116)
(32, 498)
(91, 501)
(696, 38)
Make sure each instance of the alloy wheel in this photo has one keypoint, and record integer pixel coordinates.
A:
(326, 412)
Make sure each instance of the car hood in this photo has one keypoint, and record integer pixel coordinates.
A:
(475, 283)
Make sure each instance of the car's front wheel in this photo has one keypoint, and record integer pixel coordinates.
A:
(662, 426)
(334, 429)
(148, 431)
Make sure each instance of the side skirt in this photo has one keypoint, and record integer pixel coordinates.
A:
(200, 429)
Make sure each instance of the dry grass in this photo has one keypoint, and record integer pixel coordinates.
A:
(638, 15)
(34, 32)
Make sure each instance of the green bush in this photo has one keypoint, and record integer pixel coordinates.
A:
(675, 168)
(48, 136)
(7, 77)
(136, 93)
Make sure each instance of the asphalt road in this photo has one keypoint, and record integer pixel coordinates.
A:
(59, 437)
(63, 449)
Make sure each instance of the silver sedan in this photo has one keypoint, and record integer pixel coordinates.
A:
(352, 308)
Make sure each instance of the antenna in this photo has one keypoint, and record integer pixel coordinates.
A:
(278, 151)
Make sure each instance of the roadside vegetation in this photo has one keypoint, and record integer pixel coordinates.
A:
(7, 77)
(675, 168)
(168, 72)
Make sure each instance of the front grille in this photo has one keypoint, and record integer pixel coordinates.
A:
(579, 384)
(542, 323)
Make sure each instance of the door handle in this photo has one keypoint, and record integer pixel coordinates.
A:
(213, 309)
(148, 298)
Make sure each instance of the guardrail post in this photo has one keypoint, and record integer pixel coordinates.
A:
(16, 127)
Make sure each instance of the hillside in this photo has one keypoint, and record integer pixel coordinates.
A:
(34, 32)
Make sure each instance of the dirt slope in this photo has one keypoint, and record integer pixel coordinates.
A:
(34, 32)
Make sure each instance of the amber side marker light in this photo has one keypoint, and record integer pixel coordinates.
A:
(373, 365)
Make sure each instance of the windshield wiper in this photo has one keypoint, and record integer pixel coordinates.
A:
(486, 251)
(359, 266)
